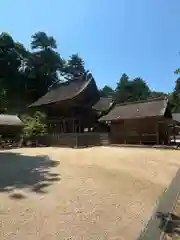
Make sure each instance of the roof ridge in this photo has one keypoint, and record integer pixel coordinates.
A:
(143, 101)
(67, 82)
(61, 82)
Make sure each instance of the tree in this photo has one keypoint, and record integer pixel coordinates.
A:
(129, 91)
(155, 94)
(34, 125)
(106, 91)
(12, 58)
(141, 90)
(44, 65)
(74, 66)
(42, 41)
(121, 95)
(175, 97)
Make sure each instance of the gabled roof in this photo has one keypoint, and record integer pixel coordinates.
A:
(140, 109)
(103, 104)
(9, 120)
(176, 117)
(65, 91)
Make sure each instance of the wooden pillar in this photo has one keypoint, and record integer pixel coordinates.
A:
(157, 132)
(77, 136)
(64, 126)
(61, 127)
(140, 136)
(73, 127)
(174, 133)
(79, 123)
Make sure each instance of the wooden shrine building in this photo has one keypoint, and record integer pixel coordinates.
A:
(73, 106)
(140, 122)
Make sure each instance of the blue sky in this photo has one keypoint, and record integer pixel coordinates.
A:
(138, 37)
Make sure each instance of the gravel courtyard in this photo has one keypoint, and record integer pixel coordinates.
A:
(94, 193)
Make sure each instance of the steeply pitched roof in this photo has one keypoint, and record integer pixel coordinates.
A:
(141, 109)
(103, 104)
(9, 120)
(65, 91)
(176, 116)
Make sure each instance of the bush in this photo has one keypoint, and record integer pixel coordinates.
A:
(34, 125)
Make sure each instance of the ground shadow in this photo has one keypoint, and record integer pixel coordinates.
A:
(169, 223)
(19, 171)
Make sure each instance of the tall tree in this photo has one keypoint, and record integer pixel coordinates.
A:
(12, 58)
(175, 97)
(141, 90)
(129, 91)
(41, 40)
(121, 93)
(44, 64)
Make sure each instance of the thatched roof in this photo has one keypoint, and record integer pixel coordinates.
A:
(140, 109)
(9, 120)
(66, 91)
(103, 104)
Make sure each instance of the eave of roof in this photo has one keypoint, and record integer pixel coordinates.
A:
(64, 91)
(10, 120)
(140, 109)
(103, 104)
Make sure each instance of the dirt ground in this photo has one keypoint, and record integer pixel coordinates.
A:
(94, 193)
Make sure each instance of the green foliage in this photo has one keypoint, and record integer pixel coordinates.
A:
(141, 89)
(11, 61)
(74, 66)
(43, 65)
(177, 71)
(155, 94)
(27, 75)
(34, 125)
(6, 41)
(175, 97)
(106, 91)
(131, 90)
(42, 41)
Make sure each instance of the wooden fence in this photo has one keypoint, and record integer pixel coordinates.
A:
(75, 139)
(93, 139)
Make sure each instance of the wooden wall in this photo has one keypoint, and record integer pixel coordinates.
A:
(139, 131)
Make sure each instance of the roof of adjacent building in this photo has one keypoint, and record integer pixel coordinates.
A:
(176, 116)
(65, 91)
(10, 120)
(103, 104)
(140, 109)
